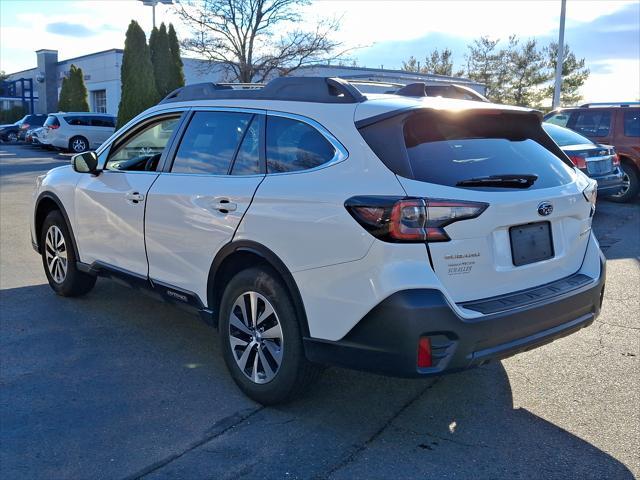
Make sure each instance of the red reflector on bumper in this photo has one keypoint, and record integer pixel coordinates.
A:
(424, 352)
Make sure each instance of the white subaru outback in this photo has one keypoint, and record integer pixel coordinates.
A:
(394, 233)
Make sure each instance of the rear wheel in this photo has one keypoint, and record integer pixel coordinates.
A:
(630, 186)
(59, 260)
(261, 340)
(78, 144)
(12, 137)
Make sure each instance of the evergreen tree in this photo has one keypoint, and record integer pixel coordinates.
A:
(486, 65)
(73, 94)
(527, 73)
(176, 74)
(64, 101)
(138, 91)
(161, 59)
(439, 63)
(574, 74)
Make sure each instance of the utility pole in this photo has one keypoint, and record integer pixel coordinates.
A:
(559, 60)
(152, 4)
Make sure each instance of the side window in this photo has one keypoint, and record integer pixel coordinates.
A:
(210, 142)
(142, 151)
(247, 160)
(632, 123)
(593, 123)
(102, 122)
(77, 120)
(293, 145)
(561, 119)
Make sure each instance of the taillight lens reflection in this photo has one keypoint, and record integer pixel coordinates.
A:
(579, 161)
(395, 219)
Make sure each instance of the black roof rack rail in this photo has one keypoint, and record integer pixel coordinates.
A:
(300, 89)
(449, 90)
(610, 104)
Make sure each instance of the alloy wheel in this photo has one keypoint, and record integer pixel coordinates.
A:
(626, 183)
(12, 137)
(56, 254)
(79, 145)
(255, 336)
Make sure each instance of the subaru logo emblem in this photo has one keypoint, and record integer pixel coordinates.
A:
(545, 209)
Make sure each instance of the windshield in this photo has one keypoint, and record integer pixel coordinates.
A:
(564, 136)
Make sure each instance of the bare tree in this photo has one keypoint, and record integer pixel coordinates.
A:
(241, 34)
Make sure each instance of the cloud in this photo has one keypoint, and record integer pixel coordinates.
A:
(69, 29)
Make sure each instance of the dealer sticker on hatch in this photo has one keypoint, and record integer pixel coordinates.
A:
(462, 263)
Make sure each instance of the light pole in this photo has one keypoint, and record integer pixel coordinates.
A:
(560, 58)
(152, 4)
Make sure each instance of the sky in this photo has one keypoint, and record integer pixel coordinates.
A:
(379, 32)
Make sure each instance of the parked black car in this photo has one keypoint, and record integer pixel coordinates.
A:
(17, 131)
(600, 162)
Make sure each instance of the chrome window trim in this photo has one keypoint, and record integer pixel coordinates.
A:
(341, 152)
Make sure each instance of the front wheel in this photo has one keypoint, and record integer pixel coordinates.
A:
(630, 184)
(261, 340)
(59, 260)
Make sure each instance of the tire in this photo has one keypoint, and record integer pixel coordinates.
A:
(276, 382)
(12, 137)
(632, 181)
(59, 260)
(78, 144)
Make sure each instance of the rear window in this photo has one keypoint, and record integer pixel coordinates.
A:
(565, 137)
(52, 121)
(447, 149)
(632, 123)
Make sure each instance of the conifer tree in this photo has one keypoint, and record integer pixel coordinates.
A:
(176, 74)
(138, 87)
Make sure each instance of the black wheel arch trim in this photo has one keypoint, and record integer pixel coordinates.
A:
(53, 197)
(271, 259)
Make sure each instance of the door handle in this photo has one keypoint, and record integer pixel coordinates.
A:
(224, 205)
(134, 197)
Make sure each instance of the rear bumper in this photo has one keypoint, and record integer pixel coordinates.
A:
(611, 183)
(386, 339)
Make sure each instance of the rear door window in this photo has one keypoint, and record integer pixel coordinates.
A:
(592, 123)
(102, 122)
(452, 151)
(247, 160)
(78, 121)
(632, 123)
(293, 145)
(210, 142)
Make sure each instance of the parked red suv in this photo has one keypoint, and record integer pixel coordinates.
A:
(616, 124)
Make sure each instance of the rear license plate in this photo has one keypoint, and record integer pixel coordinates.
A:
(531, 243)
(599, 166)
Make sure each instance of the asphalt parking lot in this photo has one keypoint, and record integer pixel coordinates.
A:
(115, 385)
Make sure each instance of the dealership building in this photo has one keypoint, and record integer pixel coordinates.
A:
(102, 78)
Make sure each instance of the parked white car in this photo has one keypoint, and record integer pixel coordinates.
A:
(410, 236)
(78, 131)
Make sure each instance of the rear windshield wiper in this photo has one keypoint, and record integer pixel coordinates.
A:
(514, 180)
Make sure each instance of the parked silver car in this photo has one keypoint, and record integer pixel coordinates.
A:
(78, 131)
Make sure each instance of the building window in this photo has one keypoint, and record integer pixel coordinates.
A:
(99, 100)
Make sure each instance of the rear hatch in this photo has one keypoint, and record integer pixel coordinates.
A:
(536, 226)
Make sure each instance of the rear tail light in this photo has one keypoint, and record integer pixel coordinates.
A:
(591, 194)
(616, 159)
(24, 126)
(579, 161)
(397, 219)
(424, 353)
(53, 127)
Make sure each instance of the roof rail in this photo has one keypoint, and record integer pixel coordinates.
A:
(451, 90)
(300, 89)
(610, 104)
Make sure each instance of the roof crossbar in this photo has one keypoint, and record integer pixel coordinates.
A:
(300, 89)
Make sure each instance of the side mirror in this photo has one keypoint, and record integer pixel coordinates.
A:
(86, 162)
